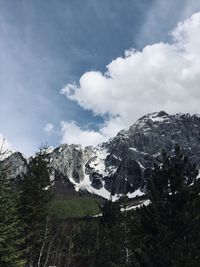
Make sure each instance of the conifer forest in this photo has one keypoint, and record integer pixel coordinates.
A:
(164, 232)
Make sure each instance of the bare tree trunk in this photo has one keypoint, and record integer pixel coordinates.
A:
(126, 238)
(43, 244)
(59, 256)
(69, 251)
(57, 251)
(49, 249)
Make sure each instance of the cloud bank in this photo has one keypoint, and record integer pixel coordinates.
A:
(162, 76)
(72, 134)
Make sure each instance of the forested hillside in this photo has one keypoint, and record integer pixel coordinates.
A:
(38, 230)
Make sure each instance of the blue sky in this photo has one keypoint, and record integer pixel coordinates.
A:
(46, 45)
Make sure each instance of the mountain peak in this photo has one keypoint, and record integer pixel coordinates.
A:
(162, 113)
(122, 165)
(152, 117)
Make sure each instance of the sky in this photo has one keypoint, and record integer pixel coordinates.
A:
(74, 71)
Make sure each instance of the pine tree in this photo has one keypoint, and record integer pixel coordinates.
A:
(169, 231)
(11, 240)
(35, 200)
(111, 236)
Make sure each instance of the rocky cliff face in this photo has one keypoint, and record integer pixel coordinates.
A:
(15, 164)
(122, 164)
(133, 151)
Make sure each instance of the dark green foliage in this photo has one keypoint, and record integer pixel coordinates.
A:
(169, 230)
(165, 233)
(35, 193)
(73, 242)
(11, 239)
(111, 236)
(111, 214)
(86, 242)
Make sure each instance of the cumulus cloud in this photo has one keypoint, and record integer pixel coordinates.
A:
(73, 134)
(48, 128)
(162, 76)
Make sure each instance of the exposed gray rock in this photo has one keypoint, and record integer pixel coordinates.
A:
(70, 160)
(15, 164)
(144, 141)
(122, 164)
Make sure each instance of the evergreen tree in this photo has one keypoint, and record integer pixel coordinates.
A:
(11, 239)
(35, 200)
(169, 229)
(111, 236)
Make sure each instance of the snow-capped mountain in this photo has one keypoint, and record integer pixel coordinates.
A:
(122, 164)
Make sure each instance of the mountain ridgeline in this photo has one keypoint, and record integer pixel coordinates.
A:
(121, 165)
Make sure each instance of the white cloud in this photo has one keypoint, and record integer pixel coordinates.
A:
(157, 22)
(48, 128)
(73, 134)
(161, 77)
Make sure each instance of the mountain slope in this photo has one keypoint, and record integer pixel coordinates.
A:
(121, 165)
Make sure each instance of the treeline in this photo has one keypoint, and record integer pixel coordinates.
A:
(24, 213)
(164, 233)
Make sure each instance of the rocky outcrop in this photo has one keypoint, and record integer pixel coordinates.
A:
(15, 164)
(122, 164)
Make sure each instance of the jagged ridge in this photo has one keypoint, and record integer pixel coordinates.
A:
(121, 165)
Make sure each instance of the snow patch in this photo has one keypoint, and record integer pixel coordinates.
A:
(48, 150)
(134, 149)
(137, 151)
(142, 203)
(85, 185)
(136, 193)
(141, 166)
(98, 162)
(157, 119)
